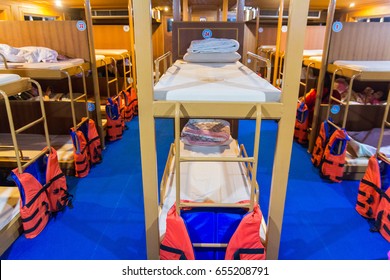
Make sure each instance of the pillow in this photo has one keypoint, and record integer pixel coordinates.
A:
(212, 57)
(206, 132)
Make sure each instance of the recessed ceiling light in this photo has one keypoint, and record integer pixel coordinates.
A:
(166, 9)
(58, 3)
(352, 5)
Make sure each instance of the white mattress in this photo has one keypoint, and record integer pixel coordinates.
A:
(32, 144)
(268, 47)
(315, 58)
(99, 57)
(46, 65)
(308, 53)
(234, 82)
(372, 66)
(111, 51)
(8, 78)
(223, 182)
(9, 205)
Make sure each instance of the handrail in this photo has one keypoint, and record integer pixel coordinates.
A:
(157, 64)
(14, 131)
(263, 59)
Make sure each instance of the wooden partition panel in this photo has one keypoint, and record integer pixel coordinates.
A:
(111, 37)
(361, 41)
(267, 36)
(184, 32)
(62, 36)
(57, 112)
(314, 37)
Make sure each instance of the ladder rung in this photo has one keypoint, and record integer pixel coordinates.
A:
(217, 159)
(27, 126)
(338, 100)
(210, 204)
(210, 245)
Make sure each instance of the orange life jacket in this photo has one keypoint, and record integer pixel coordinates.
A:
(245, 244)
(323, 137)
(41, 193)
(134, 101)
(369, 192)
(301, 123)
(114, 121)
(373, 200)
(93, 142)
(80, 153)
(382, 223)
(56, 186)
(176, 244)
(128, 110)
(332, 164)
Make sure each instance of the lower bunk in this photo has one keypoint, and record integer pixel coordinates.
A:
(218, 217)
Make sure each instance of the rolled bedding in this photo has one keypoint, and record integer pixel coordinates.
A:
(213, 45)
(206, 132)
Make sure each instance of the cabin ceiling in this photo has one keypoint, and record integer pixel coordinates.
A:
(262, 4)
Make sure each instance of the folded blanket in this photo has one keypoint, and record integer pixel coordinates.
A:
(205, 132)
(213, 45)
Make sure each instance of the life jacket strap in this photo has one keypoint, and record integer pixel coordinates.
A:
(248, 251)
(371, 184)
(174, 251)
(30, 230)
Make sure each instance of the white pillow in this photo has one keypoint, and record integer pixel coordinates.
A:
(212, 57)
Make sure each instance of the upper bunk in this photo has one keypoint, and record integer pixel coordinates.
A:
(60, 37)
(354, 52)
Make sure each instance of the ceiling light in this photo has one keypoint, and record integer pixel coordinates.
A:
(352, 5)
(166, 9)
(58, 3)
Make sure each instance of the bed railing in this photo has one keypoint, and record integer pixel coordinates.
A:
(4, 60)
(157, 61)
(257, 58)
(339, 101)
(14, 131)
(251, 160)
(72, 99)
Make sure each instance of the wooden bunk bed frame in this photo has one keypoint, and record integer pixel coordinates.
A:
(284, 112)
(13, 229)
(66, 39)
(354, 36)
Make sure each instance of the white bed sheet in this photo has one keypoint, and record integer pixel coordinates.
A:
(308, 53)
(233, 82)
(8, 78)
(9, 205)
(108, 52)
(99, 57)
(223, 182)
(32, 144)
(369, 66)
(46, 65)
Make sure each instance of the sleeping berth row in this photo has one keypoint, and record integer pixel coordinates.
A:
(209, 176)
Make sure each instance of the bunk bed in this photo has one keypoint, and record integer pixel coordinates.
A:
(10, 223)
(69, 41)
(359, 69)
(177, 109)
(361, 148)
(120, 57)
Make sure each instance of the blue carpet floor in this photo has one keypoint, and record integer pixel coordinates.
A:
(107, 220)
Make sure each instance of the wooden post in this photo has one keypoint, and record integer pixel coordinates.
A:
(240, 10)
(144, 59)
(225, 8)
(95, 79)
(176, 10)
(297, 21)
(278, 36)
(185, 10)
